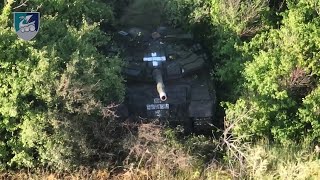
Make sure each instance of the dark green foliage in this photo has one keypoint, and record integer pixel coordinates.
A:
(223, 27)
(282, 79)
(266, 59)
(54, 88)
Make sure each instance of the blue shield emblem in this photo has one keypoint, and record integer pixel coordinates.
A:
(26, 24)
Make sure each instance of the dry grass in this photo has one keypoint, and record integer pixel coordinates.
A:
(82, 173)
(150, 156)
(153, 154)
(267, 160)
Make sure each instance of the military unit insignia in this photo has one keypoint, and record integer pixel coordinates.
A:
(26, 24)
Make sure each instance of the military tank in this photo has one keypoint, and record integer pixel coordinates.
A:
(165, 78)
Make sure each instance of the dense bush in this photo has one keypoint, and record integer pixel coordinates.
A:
(54, 88)
(222, 26)
(282, 78)
(274, 77)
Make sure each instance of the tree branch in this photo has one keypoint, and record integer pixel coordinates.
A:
(23, 4)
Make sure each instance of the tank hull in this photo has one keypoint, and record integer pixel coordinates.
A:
(167, 79)
(184, 99)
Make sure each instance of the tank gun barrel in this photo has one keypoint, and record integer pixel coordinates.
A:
(157, 75)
